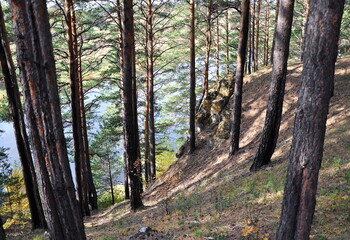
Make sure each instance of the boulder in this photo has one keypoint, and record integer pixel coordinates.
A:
(224, 128)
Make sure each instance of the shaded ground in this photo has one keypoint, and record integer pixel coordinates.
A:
(207, 195)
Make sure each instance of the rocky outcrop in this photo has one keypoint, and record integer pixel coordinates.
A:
(213, 111)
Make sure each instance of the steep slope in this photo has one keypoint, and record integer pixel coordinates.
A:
(208, 195)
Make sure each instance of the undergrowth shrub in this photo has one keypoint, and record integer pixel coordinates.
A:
(104, 199)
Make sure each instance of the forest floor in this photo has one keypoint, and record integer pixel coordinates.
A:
(208, 195)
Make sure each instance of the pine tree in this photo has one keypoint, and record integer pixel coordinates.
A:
(299, 200)
(130, 128)
(16, 111)
(38, 76)
(237, 96)
(278, 79)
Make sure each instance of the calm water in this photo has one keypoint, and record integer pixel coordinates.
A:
(8, 140)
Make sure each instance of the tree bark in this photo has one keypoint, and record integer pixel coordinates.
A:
(279, 71)
(227, 42)
(110, 178)
(237, 95)
(305, 17)
(252, 26)
(217, 60)
(321, 38)
(121, 60)
(79, 156)
(273, 40)
(147, 149)
(38, 75)
(91, 189)
(267, 33)
(257, 24)
(131, 136)
(135, 120)
(192, 129)
(16, 111)
(205, 85)
(150, 93)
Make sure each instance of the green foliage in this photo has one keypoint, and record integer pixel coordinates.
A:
(5, 173)
(39, 237)
(105, 198)
(347, 177)
(164, 160)
(223, 202)
(271, 184)
(4, 109)
(15, 208)
(106, 148)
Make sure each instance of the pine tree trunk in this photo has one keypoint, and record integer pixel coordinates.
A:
(79, 156)
(305, 17)
(205, 85)
(146, 139)
(126, 173)
(250, 47)
(237, 95)
(227, 42)
(253, 35)
(150, 93)
(13, 95)
(192, 129)
(267, 31)
(257, 24)
(278, 79)
(217, 47)
(38, 76)
(121, 60)
(323, 27)
(110, 178)
(135, 120)
(131, 136)
(274, 38)
(91, 189)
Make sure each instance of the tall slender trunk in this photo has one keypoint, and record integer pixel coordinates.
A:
(205, 85)
(16, 111)
(257, 24)
(250, 47)
(121, 61)
(135, 120)
(79, 157)
(138, 163)
(267, 29)
(110, 178)
(217, 47)
(274, 38)
(131, 135)
(299, 200)
(279, 71)
(38, 75)
(253, 35)
(237, 95)
(91, 189)
(150, 94)
(146, 138)
(192, 129)
(306, 15)
(227, 42)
